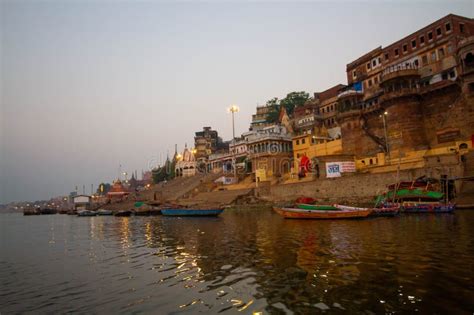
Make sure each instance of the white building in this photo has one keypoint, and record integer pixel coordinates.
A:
(186, 164)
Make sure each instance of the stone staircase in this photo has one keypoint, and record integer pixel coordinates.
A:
(216, 198)
(178, 187)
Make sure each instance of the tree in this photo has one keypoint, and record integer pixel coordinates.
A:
(165, 172)
(272, 115)
(293, 100)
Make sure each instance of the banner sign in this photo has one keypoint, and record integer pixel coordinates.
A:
(335, 169)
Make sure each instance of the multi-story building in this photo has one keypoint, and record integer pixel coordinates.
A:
(327, 104)
(269, 150)
(207, 142)
(259, 119)
(408, 96)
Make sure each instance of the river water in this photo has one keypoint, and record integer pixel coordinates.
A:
(242, 262)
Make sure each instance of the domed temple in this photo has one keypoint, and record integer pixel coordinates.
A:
(185, 163)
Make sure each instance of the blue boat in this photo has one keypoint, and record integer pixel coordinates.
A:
(192, 212)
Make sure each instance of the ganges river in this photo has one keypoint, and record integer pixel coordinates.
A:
(245, 261)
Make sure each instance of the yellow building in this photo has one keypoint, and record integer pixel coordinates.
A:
(313, 147)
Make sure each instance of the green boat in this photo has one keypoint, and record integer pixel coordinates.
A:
(410, 191)
(315, 207)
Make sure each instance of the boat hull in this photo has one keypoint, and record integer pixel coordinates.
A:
(427, 207)
(295, 213)
(191, 212)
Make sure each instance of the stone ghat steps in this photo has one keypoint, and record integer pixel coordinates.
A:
(219, 197)
(178, 187)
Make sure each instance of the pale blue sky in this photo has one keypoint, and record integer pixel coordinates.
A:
(86, 85)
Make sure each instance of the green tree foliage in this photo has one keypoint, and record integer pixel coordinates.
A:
(291, 101)
(274, 105)
(165, 172)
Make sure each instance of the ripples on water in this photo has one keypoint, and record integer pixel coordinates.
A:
(245, 260)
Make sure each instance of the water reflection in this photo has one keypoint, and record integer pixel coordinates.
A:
(246, 260)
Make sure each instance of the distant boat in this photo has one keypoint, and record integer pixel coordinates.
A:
(191, 212)
(104, 212)
(123, 213)
(296, 213)
(86, 213)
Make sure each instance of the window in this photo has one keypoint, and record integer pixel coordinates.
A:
(422, 39)
(441, 53)
(405, 48)
(413, 43)
(303, 141)
(424, 60)
(374, 63)
(430, 36)
(450, 49)
(368, 65)
(447, 27)
(433, 56)
(380, 60)
(461, 27)
(354, 75)
(297, 142)
(386, 56)
(415, 63)
(370, 82)
(376, 80)
(452, 74)
(444, 76)
(438, 31)
(396, 52)
(297, 155)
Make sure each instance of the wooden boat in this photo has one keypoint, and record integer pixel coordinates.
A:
(295, 213)
(123, 213)
(315, 207)
(104, 212)
(381, 212)
(86, 213)
(191, 212)
(427, 207)
(386, 211)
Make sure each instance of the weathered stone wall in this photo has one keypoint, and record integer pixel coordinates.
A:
(447, 109)
(358, 188)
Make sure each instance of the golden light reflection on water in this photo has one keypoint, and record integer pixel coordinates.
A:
(259, 263)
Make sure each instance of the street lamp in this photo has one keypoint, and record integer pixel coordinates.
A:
(234, 109)
(387, 148)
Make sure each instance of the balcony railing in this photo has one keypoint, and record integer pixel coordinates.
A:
(392, 72)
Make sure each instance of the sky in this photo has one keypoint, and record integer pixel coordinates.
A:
(86, 86)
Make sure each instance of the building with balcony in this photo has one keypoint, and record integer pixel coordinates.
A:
(401, 97)
(269, 150)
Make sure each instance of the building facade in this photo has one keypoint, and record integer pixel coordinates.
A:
(409, 95)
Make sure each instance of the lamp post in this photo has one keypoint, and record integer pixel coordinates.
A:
(387, 147)
(234, 109)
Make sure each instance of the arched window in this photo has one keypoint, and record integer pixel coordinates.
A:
(463, 146)
(469, 60)
(371, 162)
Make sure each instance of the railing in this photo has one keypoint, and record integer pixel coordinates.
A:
(391, 72)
